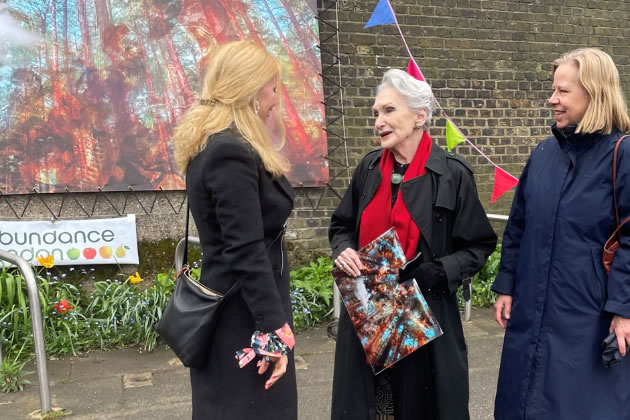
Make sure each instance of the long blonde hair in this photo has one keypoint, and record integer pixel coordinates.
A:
(236, 73)
(598, 75)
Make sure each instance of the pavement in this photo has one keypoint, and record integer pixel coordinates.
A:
(130, 384)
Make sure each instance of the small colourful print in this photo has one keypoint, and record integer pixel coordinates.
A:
(392, 320)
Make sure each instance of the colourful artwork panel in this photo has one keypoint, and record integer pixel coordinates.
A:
(90, 90)
(391, 320)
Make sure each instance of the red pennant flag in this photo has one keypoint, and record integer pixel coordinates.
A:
(413, 70)
(503, 182)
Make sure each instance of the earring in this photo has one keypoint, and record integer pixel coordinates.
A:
(417, 126)
(256, 106)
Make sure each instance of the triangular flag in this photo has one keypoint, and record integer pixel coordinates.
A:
(382, 15)
(414, 70)
(503, 182)
(453, 136)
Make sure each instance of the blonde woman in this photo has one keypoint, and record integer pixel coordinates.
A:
(555, 299)
(240, 201)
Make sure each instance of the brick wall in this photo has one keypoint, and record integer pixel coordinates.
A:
(488, 62)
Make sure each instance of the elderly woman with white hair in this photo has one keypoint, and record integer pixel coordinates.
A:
(430, 197)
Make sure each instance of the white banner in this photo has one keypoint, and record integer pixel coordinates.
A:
(70, 242)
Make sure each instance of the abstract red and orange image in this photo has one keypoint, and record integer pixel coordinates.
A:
(90, 90)
(391, 320)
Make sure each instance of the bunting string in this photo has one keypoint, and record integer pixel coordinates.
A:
(384, 14)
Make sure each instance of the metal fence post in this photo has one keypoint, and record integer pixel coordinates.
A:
(179, 250)
(38, 329)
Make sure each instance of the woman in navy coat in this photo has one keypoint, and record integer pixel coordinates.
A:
(555, 299)
(240, 200)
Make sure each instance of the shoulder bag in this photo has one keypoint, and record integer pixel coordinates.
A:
(190, 316)
(189, 319)
(612, 244)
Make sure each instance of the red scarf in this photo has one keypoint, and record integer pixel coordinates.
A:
(379, 215)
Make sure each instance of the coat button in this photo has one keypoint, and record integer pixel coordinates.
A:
(259, 319)
(435, 256)
(439, 218)
(363, 195)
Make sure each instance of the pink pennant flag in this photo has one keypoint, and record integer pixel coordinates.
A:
(503, 182)
(413, 70)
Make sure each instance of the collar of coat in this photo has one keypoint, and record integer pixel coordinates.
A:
(435, 163)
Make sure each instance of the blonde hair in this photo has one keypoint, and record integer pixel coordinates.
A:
(599, 77)
(236, 73)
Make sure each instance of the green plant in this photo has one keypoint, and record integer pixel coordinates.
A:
(311, 293)
(12, 374)
(482, 295)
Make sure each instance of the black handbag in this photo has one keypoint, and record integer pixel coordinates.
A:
(189, 319)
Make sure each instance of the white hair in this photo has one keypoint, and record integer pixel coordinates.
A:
(417, 94)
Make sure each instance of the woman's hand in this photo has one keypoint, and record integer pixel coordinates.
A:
(279, 368)
(349, 262)
(621, 327)
(503, 309)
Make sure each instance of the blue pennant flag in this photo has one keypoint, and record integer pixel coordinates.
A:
(382, 15)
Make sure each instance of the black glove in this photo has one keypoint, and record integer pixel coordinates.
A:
(427, 275)
(610, 351)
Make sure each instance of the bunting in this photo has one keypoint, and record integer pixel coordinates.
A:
(453, 136)
(414, 70)
(384, 14)
(503, 182)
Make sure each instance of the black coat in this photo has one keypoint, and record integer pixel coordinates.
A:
(239, 210)
(454, 230)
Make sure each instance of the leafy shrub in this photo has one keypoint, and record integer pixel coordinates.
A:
(312, 293)
(482, 296)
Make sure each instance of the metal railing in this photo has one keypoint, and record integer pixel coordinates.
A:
(38, 330)
(468, 304)
(179, 250)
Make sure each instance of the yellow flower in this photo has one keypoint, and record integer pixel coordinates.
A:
(47, 262)
(135, 279)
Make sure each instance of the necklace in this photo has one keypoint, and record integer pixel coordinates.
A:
(398, 172)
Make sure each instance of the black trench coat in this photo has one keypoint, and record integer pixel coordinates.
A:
(454, 229)
(239, 210)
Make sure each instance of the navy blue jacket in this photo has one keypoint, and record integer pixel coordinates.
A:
(562, 299)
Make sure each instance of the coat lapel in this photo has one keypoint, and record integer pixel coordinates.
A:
(417, 194)
(285, 186)
(420, 194)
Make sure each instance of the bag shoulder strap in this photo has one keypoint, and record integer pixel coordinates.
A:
(614, 174)
(185, 262)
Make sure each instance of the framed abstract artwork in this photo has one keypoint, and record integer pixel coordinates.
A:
(90, 90)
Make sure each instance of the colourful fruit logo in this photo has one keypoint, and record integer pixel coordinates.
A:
(74, 254)
(89, 253)
(105, 251)
(120, 251)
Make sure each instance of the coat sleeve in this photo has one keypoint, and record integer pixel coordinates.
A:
(618, 301)
(231, 175)
(512, 236)
(341, 232)
(472, 235)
